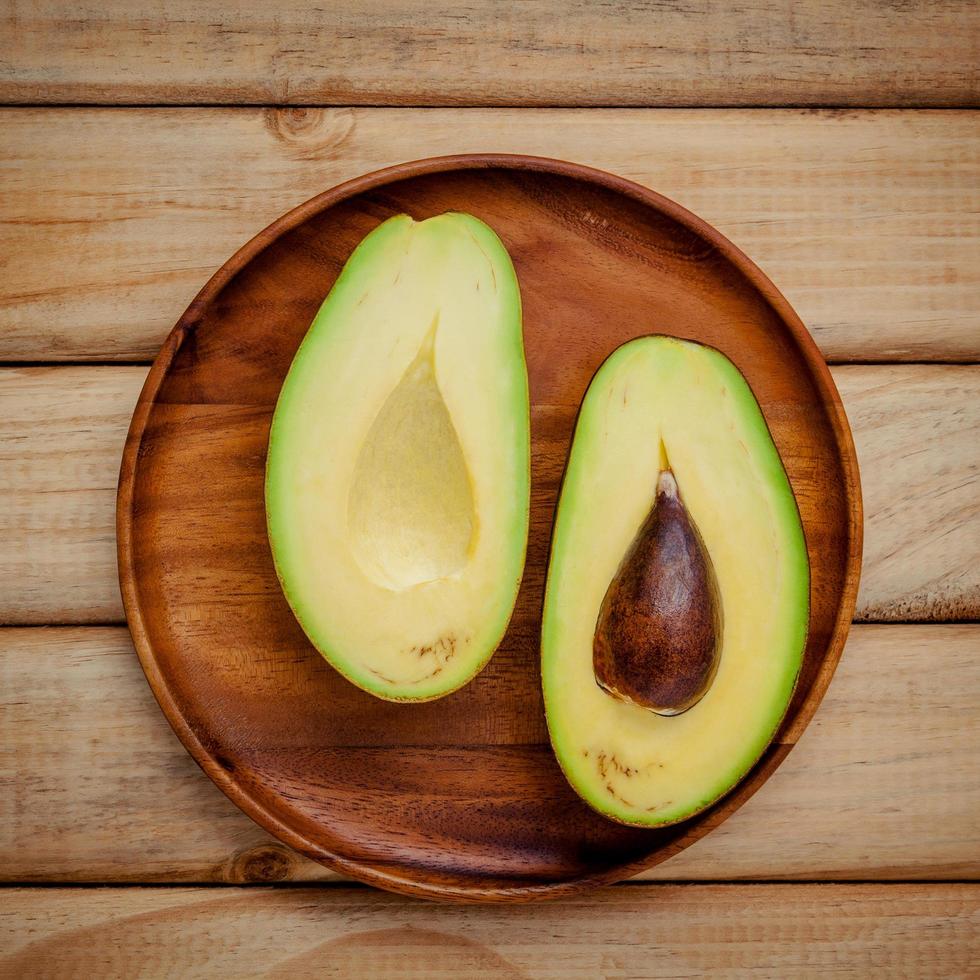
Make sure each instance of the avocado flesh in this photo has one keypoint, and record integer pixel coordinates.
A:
(397, 482)
(627, 762)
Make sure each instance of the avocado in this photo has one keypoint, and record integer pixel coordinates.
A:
(397, 479)
(677, 600)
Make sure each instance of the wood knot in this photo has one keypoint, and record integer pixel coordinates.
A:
(266, 862)
(310, 134)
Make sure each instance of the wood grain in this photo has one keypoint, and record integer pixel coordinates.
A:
(408, 52)
(914, 426)
(95, 787)
(111, 220)
(857, 931)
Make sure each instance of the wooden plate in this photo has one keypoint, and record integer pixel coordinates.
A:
(461, 797)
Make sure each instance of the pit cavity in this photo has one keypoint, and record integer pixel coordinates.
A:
(410, 513)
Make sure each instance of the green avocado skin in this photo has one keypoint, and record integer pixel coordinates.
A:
(335, 340)
(630, 764)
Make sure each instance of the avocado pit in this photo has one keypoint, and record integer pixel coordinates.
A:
(658, 636)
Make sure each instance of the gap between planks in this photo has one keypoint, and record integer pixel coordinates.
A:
(828, 107)
(333, 884)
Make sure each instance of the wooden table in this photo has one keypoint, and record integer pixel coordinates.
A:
(139, 149)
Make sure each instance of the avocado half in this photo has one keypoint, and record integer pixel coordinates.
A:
(652, 397)
(397, 481)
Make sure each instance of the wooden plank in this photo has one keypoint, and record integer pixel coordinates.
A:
(408, 52)
(111, 220)
(95, 787)
(917, 432)
(629, 931)
(915, 427)
(60, 446)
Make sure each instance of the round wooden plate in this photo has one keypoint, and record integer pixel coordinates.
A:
(461, 797)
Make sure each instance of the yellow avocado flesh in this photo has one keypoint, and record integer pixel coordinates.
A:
(397, 482)
(625, 761)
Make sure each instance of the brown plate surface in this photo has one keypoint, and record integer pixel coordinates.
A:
(460, 797)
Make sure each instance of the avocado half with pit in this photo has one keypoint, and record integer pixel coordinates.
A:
(397, 482)
(677, 600)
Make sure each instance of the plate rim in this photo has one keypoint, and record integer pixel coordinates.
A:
(369, 872)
